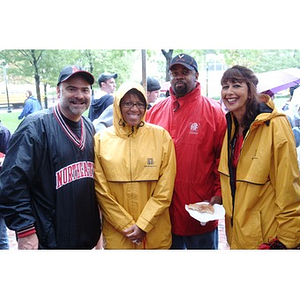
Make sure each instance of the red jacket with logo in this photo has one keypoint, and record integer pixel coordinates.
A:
(197, 126)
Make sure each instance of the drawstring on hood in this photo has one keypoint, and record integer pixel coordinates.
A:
(121, 123)
(141, 124)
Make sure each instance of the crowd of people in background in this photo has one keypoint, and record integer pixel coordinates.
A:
(122, 177)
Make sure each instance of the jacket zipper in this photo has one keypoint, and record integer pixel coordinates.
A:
(232, 183)
(130, 153)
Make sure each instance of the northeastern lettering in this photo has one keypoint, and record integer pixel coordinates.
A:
(73, 172)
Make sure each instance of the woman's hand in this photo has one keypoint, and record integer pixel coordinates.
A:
(135, 234)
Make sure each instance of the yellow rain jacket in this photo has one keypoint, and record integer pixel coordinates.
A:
(265, 203)
(135, 170)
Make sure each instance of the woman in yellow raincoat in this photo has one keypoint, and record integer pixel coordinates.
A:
(135, 170)
(258, 169)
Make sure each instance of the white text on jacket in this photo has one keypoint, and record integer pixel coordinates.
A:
(73, 172)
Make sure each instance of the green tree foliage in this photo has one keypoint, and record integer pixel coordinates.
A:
(43, 66)
(247, 58)
(25, 63)
(278, 59)
(263, 60)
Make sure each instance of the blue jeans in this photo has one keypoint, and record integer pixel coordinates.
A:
(4, 244)
(208, 240)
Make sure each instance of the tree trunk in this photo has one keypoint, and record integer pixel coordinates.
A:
(45, 95)
(35, 61)
(37, 87)
(168, 55)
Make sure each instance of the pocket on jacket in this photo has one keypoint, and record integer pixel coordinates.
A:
(248, 230)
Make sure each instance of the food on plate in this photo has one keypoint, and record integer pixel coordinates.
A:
(203, 207)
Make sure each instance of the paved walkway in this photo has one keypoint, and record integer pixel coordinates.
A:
(223, 245)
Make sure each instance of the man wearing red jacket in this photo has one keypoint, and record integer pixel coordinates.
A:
(197, 126)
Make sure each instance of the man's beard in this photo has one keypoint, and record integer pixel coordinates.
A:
(181, 90)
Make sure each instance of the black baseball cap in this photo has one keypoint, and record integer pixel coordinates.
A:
(105, 76)
(185, 60)
(152, 84)
(69, 71)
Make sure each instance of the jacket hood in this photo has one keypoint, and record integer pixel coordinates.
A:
(118, 121)
(268, 111)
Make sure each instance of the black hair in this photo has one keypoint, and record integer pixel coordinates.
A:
(138, 94)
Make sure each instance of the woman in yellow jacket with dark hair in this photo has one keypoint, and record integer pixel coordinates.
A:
(135, 170)
(258, 169)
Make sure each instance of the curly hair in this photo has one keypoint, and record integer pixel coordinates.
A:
(242, 74)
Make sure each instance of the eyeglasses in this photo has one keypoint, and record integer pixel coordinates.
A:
(139, 105)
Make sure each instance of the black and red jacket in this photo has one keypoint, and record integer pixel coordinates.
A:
(47, 182)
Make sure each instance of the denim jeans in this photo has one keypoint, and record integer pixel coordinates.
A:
(4, 244)
(208, 240)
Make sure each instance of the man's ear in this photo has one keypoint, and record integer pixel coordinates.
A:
(58, 91)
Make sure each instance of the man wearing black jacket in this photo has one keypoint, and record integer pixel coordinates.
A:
(46, 185)
(105, 98)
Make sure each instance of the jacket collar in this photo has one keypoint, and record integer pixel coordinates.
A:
(80, 143)
(265, 112)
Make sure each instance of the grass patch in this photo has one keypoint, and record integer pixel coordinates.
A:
(10, 120)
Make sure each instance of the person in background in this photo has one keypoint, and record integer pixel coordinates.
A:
(258, 169)
(197, 126)
(47, 192)
(5, 136)
(135, 169)
(265, 96)
(292, 89)
(105, 98)
(292, 111)
(106, 118)
(153, 90)
(31, 105)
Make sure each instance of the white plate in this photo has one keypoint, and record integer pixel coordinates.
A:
(203, 218)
